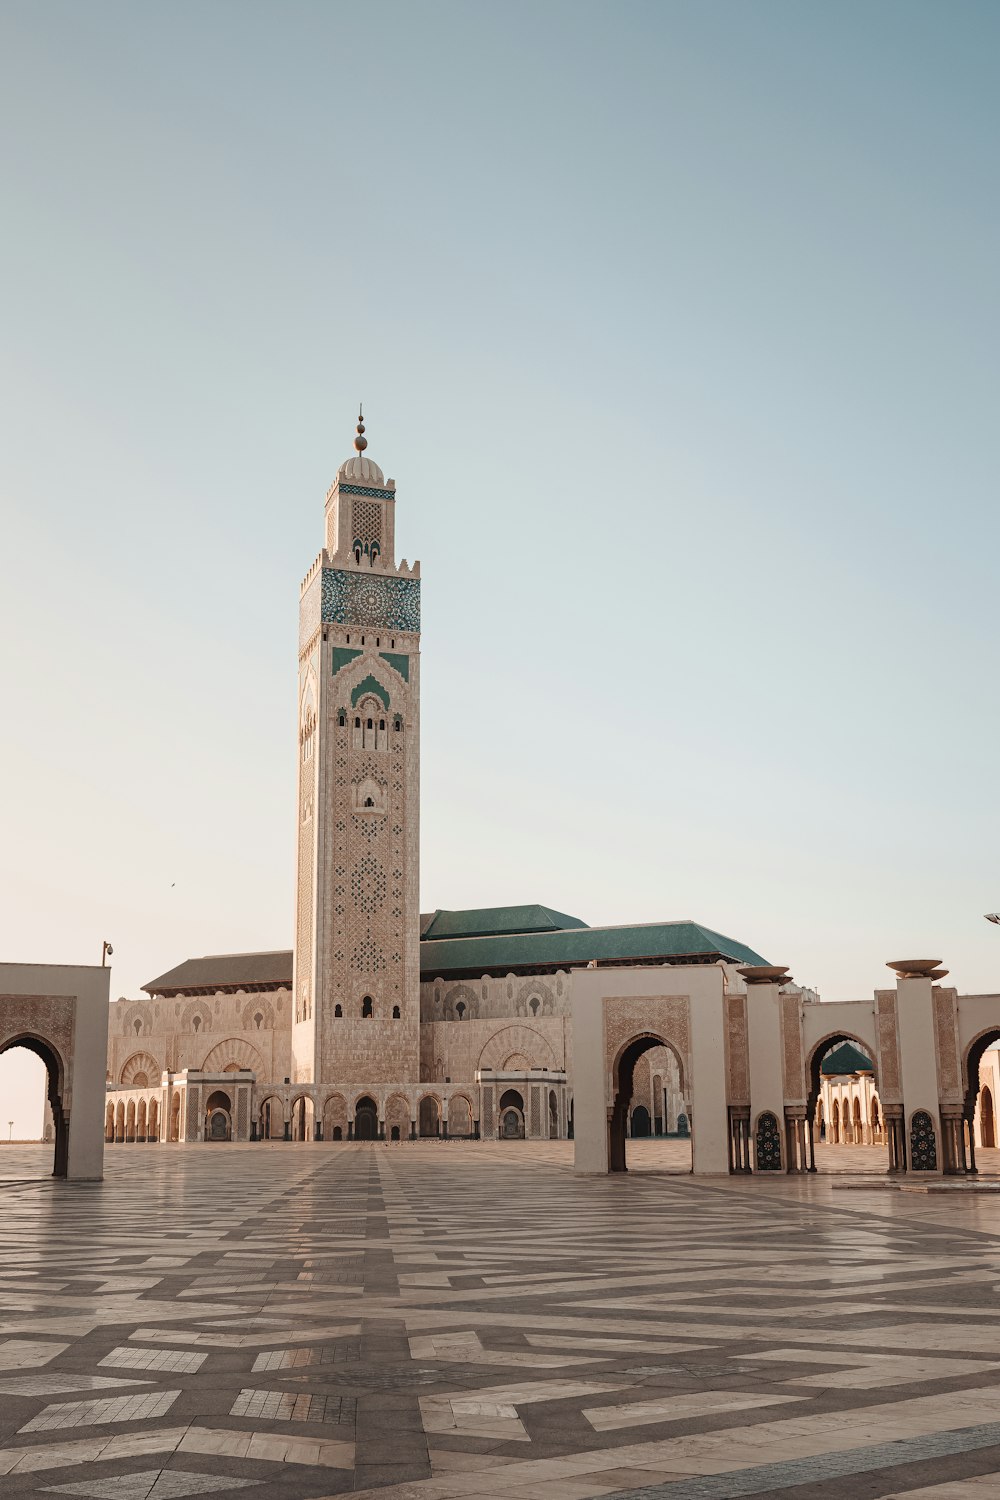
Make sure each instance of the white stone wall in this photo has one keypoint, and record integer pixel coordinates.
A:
(210, 1032)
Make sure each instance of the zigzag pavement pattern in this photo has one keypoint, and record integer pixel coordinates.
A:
(444, 1321)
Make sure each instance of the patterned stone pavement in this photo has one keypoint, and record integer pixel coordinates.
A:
(439, 1320)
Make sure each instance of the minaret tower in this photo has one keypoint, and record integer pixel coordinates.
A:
(357, 967)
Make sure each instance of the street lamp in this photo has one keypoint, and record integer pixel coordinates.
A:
(106, 952)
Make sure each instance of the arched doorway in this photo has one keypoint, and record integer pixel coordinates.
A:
(964, 1147)
(53, 1085)
(553, 1116)
(623, 1078)
(272, 1119)
(153, 1121)
(511, 1116)
(843, 1056)
(303, 1118)
(459, 1115)
(640, 1122)
(219, 1117)
(429, 1116)
(366, 1119)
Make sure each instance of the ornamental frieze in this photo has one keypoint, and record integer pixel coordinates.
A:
(371, 600)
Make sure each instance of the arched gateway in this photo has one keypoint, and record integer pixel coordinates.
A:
(750, 1047)
(60, 1012)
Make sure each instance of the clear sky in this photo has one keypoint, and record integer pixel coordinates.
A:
(677, 325)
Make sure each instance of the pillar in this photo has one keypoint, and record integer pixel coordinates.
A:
(918, 1058)
(766, 1052)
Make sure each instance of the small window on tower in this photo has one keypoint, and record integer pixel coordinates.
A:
(395, 1012)
(369, 723)
(357, 723)
(367, 1007)
(381, 723)
(342, 719)
(357, 555)
(338, 1010)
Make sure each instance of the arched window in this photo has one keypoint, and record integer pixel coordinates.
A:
(533, 1005)
(338, 1011)
(357, 723)
(342, 720)
(369, 802)
(357, 553)
(367, 1007)
(369, 724)
(460, 1010)
(395, 1012)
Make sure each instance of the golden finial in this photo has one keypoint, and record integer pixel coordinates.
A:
(360, 441)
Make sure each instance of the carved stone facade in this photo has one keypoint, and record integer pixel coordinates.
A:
(357, 976)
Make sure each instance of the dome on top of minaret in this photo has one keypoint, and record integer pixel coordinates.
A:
(361, 470)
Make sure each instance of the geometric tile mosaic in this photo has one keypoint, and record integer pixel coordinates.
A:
(444, 1321)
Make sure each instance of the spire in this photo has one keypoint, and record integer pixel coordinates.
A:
(360, 441)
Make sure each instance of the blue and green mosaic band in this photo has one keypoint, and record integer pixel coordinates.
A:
(370, 600)
(364, 489)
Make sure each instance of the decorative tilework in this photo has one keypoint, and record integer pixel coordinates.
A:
(370, 685)
(923, 1143)
(363, 489)
(398, 662)
(768, 1143)
(342, 657)
(370, 599)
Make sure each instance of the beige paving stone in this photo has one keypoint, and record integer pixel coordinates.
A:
(674, 1408)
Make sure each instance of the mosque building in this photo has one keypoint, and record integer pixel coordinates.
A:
(380, 1023)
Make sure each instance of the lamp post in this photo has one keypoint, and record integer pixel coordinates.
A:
(106, 952)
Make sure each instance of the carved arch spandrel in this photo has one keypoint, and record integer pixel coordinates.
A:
(523, 1039)
(138, 1063)
(49, 1019)
(667, 1017)
(235, 1050)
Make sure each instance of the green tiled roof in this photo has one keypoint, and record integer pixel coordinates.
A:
(654, 942)
(846, 1059)
(496, 921)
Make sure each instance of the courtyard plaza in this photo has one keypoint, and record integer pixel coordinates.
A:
(435, 1320)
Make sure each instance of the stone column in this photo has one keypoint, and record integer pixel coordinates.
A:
(768, 1086)
(921, 1087)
